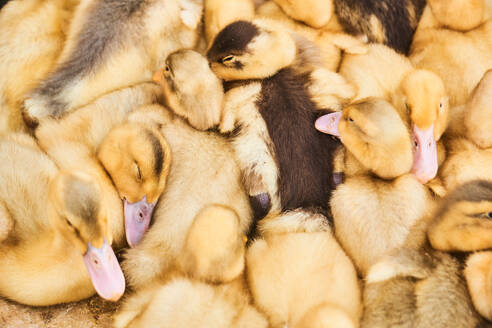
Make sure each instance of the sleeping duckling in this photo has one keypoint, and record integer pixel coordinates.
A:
(427, 285)
(379, 201)
(470, 152)
(451, 53)
(300, 276)
(103, 38)
(418, 95)
(269, 109)
(220, 13)
(58, 246)
(213, 250)
(74, 140)
(202, 172)
(137, 158)
(32, 34)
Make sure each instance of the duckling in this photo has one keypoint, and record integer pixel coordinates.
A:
(58, 225)
(298, 258)
(73, 142)
(220, 13)
(270, 96)
(379, 201)
(474, 141)
(418, 95)
(213, 252)
(198, 159)
(434, 281)
(451, 53)
(105, 36)
(32, 34)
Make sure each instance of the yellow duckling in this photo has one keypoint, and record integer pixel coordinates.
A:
(56, 231)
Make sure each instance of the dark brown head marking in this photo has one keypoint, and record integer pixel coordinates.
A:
(233, 39)
(473, 191)
(81, 198)
(158, 153)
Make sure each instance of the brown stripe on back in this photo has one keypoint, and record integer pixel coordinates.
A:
(158, 153)
(304, 155)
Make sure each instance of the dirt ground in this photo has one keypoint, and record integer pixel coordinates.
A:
(90, 313)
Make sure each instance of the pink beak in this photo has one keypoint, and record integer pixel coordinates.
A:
(137, 220)
(425, 154)
(105, 272)
(329, 123)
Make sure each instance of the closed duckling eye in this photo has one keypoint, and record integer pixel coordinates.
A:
(227, 59)
(75, 230)
(138, 173)
(407, 108)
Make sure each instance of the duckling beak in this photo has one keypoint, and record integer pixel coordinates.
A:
(425, 154)
(158, 77)
(137, 220)
(329, 123)
(105, 272)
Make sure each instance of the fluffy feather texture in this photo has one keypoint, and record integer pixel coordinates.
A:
(32, 34)
(212, 252)
(299, 259)
(105, 36)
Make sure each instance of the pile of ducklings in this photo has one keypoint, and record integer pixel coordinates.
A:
(254, 163)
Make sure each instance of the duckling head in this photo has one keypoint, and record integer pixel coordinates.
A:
(374, 133)
(138, 159)
(251, 50)
(463, 221)
(79, 216)
(427, 106)
(191, 89)
(215, 246)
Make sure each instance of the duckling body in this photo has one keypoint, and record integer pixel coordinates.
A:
(286, 265)
(32, 36)
(103, 37)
